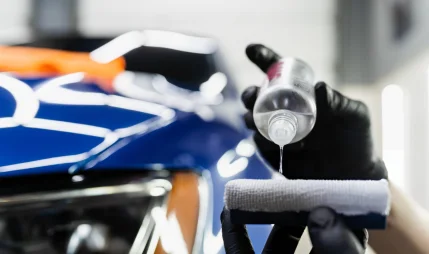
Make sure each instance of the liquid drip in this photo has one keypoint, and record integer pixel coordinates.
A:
(281, 160)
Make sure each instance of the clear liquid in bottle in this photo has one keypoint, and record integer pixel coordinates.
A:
(285, 110)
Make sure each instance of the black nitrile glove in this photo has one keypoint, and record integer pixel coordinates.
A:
(339, 147)
(327, 232)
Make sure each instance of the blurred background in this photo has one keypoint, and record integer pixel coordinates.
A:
(374, 51)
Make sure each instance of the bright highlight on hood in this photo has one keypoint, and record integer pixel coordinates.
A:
(152, 38)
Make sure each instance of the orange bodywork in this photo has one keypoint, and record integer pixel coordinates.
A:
(184, 204)
(27, 61)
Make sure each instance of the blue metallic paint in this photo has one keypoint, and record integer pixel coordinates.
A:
(187, 142)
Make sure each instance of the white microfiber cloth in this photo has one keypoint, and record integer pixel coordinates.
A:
(347, 197)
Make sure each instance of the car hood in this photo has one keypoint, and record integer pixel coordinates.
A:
(64, 123)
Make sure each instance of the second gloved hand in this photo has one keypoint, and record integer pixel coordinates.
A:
(328, 234)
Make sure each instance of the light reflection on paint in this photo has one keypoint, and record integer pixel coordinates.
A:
(7, 122)
(79, 235)
(171, 236)
(209, 93)
(135, 105)
(60, 81)
(143, 100)
(205, 113)
(124, 43)
(44, 162)
(157, 191)
(109, 140)
(160, 84)
(76, 128)
(145, 126)
(168, 94)
(77, 178)
(235, 160)
(52, 92)
(214, 85)
(228, 165)
(103, 149)
(213, 243)
(178, 41)
(125, 84)
(27, 103)
(118, 47)
(245, 148)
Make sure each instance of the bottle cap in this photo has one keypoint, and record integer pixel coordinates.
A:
(282, 128)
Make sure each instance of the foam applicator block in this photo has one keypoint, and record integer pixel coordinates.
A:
(363, 204)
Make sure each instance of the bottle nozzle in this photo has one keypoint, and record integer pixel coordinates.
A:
(282, 128)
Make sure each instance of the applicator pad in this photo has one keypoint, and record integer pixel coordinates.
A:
(363, 204)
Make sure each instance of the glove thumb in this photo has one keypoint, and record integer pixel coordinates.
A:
(328, 234)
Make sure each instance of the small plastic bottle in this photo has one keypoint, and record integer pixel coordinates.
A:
(285, 110)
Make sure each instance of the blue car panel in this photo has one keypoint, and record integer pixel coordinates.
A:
(73, 138)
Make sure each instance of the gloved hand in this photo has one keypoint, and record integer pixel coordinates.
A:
(328, 235)
(339, 146)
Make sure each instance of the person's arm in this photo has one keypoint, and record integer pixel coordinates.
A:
(407, 229)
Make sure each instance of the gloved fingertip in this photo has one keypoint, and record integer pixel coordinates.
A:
(262, 56)
(321, 218)
(324, 99)
(235, 237)
(320, 85)
(329, 234)
(225, 216)
(379, 170)
(222, 214)
(252, 49)
(362, 236)
(322, 90)
(283, 239)
(331, 102)
(249, 97)
(249, 121)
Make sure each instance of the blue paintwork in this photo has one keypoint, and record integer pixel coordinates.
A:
(186, 142)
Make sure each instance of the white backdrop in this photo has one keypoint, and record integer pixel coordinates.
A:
(409, 165)
(294, 28)
(13, 20)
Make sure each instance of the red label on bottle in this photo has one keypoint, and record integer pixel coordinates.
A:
(275, 70)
